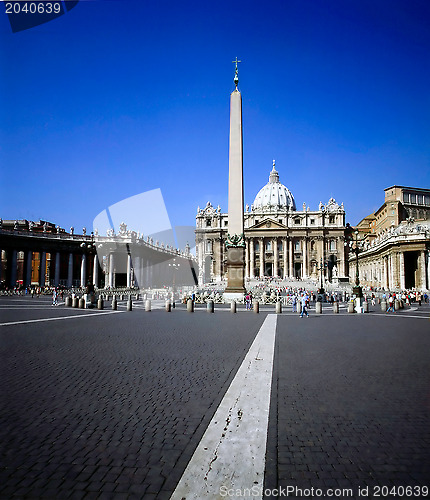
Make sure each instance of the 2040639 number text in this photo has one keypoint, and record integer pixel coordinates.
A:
(32, 7)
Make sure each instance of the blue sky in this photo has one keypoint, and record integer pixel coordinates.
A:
(115, 98)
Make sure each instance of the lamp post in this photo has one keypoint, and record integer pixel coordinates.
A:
(174, 266)
(89, 247)
(354, 244)
(321, 269)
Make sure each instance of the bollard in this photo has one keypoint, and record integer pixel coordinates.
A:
(299, 307)
(318, 308)
(336, 307)
(402, 304)
(357, 302)
(148, 305)
(278, 308)
(68, 301)
(129, 304)
(173, 304)
(350, 307)
(233, 306)
(75, 302)
(114, 304)
(100, 304)
(168, 306)
(383, 305)
(365, 306)
(396, 305)
(190, 306)
(137, 296)
(210, 306)
(81, 303)
(256, 307)
(121, 297)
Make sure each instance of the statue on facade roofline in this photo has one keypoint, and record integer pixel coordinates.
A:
(122, 228)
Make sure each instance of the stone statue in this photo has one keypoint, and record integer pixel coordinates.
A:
(84, 231)
(72, 230)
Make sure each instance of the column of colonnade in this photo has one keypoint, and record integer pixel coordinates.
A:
(247, 256)
(261, 248)
(275, 256)
(428, 270)
(252, 257)
(422, 266)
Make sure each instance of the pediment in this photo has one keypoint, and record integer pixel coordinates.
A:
(268, 224)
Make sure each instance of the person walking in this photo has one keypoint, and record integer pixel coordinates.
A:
(304, 301)
(54, 297)
(294, 303)
(247, 302)
(391, 304)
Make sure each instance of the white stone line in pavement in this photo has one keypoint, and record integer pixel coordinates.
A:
(231, 454)
(26, 308)
(59, 317)
(402, 315)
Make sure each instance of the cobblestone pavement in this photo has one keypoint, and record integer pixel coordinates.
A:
(350, 406)
(106, 404)
(110, 406)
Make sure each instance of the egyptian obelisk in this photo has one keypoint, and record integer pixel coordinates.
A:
(235, 243)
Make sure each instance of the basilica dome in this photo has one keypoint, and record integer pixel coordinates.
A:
(274, 194)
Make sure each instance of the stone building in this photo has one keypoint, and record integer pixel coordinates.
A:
(395, 241)
(281, 241)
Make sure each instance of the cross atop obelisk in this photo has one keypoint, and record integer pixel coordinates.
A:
(235, 243)
(236, 73)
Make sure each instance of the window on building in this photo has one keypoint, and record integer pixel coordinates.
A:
(331, 219)
(256, 221)
(312, 221)
(420, 199)
(297, 246)
(208, 223)
(405, 197)
(257, 246)
(413, 198)
(225, 223)
(297, 221)
(268, 246)
(209, 246)
(427, 200)
(280, 221)
(332, 245)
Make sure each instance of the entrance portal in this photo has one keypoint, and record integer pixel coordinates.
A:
(411, 269)
(268, 269)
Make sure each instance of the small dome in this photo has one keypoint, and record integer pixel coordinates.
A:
(274, 194)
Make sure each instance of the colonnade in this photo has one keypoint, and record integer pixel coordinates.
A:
(43, 268)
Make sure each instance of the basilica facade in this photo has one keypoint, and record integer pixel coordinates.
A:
(280, 241)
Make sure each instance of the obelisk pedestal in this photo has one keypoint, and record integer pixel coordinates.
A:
(235, 243)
